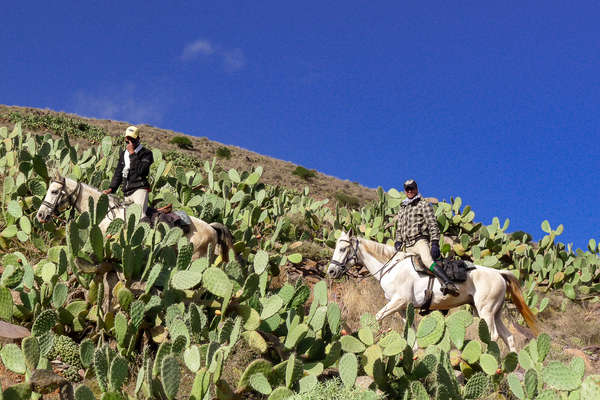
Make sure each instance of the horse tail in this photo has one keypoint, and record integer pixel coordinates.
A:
(518, 300)
(225, 241)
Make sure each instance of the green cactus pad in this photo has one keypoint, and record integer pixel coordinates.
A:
(217, 282)
(184, 280)
(261, 261)
(271, 306)
(369, 357)
(136, 313)
(366, 336)
(307, 383)
(46, 341)
(44, 323)
(471, 352)
(334, 316)
(543, 346)
(394, 347)
(418, 391)
(430, 329)
(577, 365)
(31, 350)
(121, 327)
(295, 335)
(260, 383)
(300, 296)
(590, 389)
(484, 332)
(192, 359)
(12, 358)
(350, 344)
(476, 386)
(59, 295)
(21, 391)
(515, 386)
(6, 304)
(333, 355)
(320, 293)
(561, 377)
(170, 375)
(348, 369)
(119, 371)
(456, 329)
(510, 362)
(525, 360)
(293, 370)
(488, 364)
(84, 393)
(255, 341)
(531, 382)
(318, 320)
(256, 366)
(281, 393)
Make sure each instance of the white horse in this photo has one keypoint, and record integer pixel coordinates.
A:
(485, 288)
(64, 193)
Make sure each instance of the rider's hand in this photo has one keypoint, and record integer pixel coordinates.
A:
(130, 147)
(435, 250)
(107, 191)
(398, 245)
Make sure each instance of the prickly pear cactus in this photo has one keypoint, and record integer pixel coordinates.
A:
(430, 329)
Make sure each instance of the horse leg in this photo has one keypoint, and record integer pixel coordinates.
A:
(504, 333)
(394, 305)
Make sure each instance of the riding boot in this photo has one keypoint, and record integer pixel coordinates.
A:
(447, 285)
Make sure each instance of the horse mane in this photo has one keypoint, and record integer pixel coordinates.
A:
(377, 250)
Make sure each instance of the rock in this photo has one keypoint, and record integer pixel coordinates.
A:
(44, 381)
(10, 332)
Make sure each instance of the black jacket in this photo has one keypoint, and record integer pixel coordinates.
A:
(139, 168)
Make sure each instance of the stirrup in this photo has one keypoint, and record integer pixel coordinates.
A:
(450, 288)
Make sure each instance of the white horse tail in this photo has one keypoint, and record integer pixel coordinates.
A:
(519, 301)
(224, 240)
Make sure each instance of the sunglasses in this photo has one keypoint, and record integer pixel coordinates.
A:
(410, 188)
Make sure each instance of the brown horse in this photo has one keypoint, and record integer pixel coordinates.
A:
(64, 193)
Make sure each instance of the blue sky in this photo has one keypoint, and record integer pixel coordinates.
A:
(496, 103)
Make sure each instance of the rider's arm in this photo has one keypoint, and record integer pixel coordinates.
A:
(118, 175)
(432, 226)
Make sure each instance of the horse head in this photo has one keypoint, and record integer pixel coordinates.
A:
(55, 199)
(344, 256)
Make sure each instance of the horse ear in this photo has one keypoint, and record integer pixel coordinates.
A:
(351, 232)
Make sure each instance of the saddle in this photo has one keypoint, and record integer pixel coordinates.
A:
(166, 214)
(456, 271)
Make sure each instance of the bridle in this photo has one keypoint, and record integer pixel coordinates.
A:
(353, 245)
(353, 255)
(63, 197)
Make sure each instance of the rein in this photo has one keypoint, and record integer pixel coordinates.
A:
(354, 257)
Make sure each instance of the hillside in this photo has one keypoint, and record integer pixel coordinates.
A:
(91, 293)
(276, 172)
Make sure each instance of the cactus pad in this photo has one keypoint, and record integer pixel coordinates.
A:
(260, 383)
(184, 280)
(44, 323)
(271, 306)
(488, 364)
(590, 389)
(170, 376)
(281, 393)
(471, 352)
(217, 282)
(350, 344)
(515, 386)
(348, 369)
(256, 366)
(12, 358)
(476, 386)
(31, 350)
(561, 377)
(430, 329)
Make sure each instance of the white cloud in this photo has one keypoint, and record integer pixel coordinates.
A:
(199, 47)
(233, 59)
(122, 104)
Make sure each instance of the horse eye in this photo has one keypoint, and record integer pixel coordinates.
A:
(54, 192)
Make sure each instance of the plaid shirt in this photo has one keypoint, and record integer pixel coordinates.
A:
(416, 220)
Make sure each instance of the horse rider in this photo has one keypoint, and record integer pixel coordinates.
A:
(417, 230)
(132, 170)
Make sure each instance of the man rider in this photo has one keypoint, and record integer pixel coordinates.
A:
(132, 170)
(417, 229)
